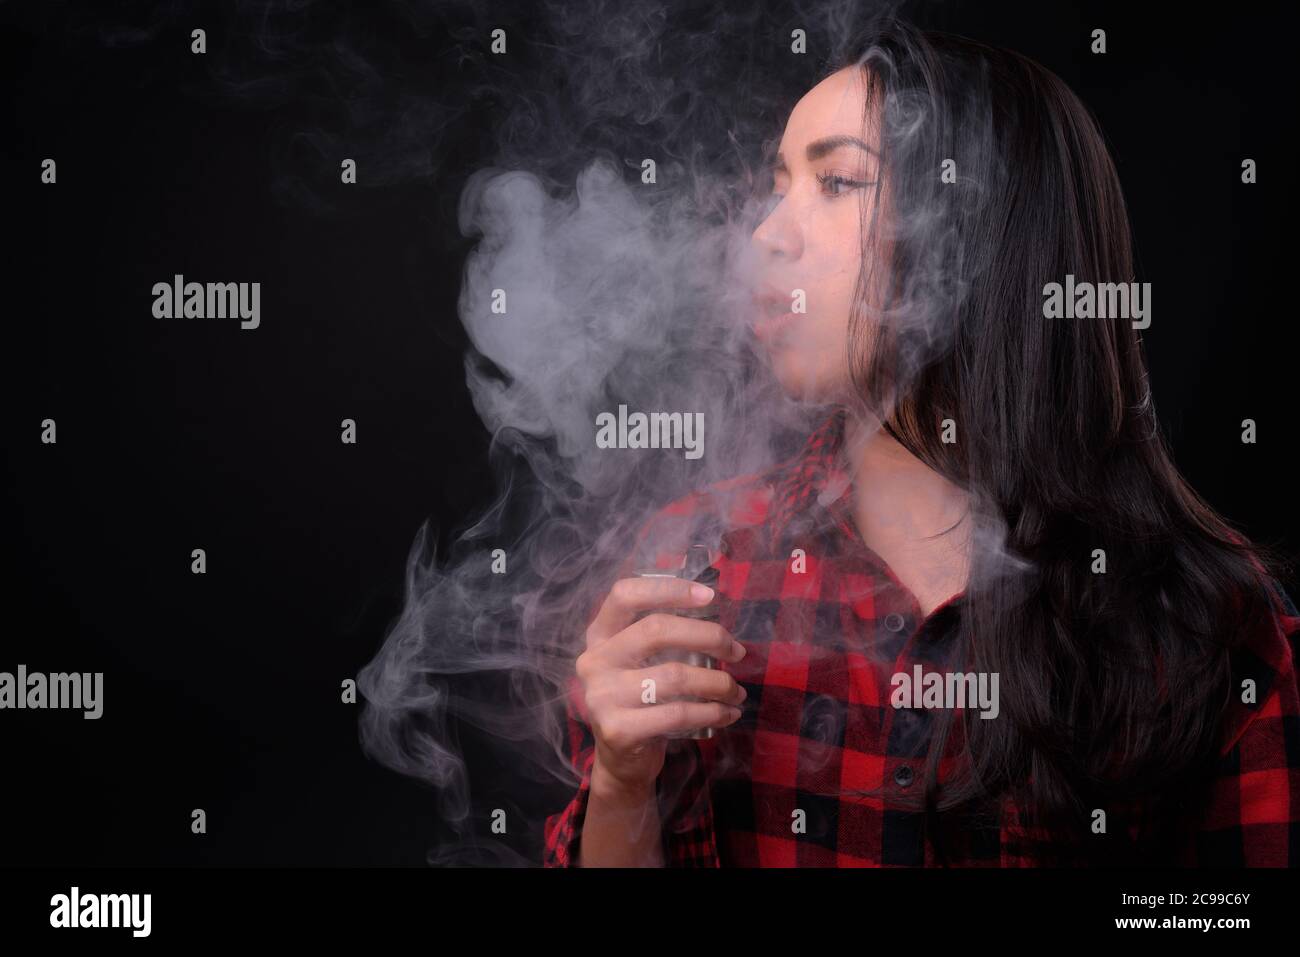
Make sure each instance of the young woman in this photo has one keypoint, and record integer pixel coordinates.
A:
(989, 497)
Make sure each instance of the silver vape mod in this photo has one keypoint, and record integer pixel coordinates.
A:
(697, 567)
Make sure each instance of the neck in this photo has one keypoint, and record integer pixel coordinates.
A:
(897, 497)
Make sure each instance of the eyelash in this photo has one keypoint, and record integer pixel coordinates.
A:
(824, 178)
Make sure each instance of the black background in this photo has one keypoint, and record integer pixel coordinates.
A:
(222, 691)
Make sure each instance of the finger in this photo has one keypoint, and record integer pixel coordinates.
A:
(663, 632)
(631, 596)
(638, 724)
(675, 680)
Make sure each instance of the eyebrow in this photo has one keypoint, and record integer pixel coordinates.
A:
(819, 148)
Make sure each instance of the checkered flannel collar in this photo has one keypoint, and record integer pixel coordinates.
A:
(809, 483)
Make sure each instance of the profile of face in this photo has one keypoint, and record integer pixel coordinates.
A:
(811, 239)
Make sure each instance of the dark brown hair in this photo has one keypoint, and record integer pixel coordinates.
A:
(1058, 444)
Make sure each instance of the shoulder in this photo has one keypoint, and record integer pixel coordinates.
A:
(1285, 607)
(1263, 667)
(1270, 645)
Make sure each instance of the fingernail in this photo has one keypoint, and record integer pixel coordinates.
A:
(737, 650)
(743, 693)
(701, 592)
(736, 712)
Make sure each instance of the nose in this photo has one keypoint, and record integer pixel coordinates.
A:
(778, 234)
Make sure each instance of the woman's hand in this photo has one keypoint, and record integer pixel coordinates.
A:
(629, 732)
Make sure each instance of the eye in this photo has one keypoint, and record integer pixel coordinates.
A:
(835, 180)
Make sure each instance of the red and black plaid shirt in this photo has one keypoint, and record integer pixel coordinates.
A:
(823, 639)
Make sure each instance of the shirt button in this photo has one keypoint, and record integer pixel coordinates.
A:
(903, 776)
(894, 621)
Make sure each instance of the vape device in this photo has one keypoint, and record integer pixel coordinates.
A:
(697, 567)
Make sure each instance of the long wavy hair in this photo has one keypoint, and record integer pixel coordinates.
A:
(1114, 686)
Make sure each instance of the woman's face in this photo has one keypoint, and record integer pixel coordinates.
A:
(811, 239)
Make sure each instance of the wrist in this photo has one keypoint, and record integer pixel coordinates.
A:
(610, 790)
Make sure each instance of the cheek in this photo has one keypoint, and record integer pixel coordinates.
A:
(836, 262)
(820, 351)
(812, 361)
